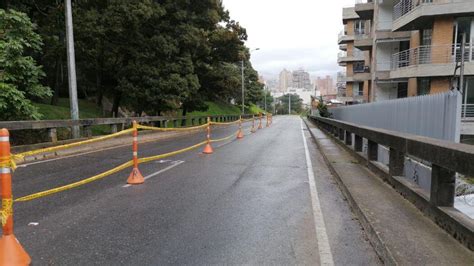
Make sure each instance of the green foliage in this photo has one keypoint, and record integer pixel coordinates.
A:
(148, 56)
(217, 108)
(87, 109)
(296, 104)
(19, 75)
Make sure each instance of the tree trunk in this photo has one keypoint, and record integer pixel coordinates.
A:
(116, 104)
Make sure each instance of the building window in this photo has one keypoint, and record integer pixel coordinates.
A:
(424, 85)
(402, 90)
(359, 67)
(426, 37)
(358, 89)
(359, 27)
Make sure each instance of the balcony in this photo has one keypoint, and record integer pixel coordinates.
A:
(349, 13)
(363, 39)
(343, 47)
(344, 38)
(344, 57)
(431, 61)
(364, 9)
(343, 78)
(419, 14)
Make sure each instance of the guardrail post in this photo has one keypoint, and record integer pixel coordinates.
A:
(335, 131)
(372, 151)
(396, 163)
(11, 251)
(193, 121)
(358, 143)
(175, 123)
(341, 134)
(135, 177)
(200, 121)
(442, 190)
(87, 131)
(113, 128)
(53, 135)
(348, 138)
(165, 123)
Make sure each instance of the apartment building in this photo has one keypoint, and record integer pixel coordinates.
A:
(355, 59)
(414, 47)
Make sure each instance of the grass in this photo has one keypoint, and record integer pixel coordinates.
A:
(87, 109)
(61, 111)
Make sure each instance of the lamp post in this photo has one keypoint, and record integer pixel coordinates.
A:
(243, 79)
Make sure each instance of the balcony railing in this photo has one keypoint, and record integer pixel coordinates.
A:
(467, 110)
(428, 54)
(406, 6)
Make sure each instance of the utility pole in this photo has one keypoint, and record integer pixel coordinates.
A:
(243, 88)
(289, 103)
(71, 68)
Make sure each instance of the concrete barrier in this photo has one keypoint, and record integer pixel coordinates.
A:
(447, 159)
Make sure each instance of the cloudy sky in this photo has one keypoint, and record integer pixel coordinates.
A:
(291, 34)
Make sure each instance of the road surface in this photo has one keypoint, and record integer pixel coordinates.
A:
(251, 202)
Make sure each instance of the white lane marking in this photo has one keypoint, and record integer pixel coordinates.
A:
(325, 255)
(173, 165)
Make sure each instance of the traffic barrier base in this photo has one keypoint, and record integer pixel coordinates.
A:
(11, 252)
(208, 148)
(136, 177)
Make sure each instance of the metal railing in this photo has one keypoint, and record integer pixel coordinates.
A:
(467, 110)
(406, 6)
(428, 54)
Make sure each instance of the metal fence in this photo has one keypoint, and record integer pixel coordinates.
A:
(436, 116)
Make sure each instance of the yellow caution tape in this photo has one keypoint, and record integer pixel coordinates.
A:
(172, 128)
(75, 184)
(224, 139)
(161, 156)
(7, 210)
(22, 155)
(225, 123)
(113, 171)
(8, 162)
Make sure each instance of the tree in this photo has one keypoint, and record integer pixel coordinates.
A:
(296, 104)
(19, 74)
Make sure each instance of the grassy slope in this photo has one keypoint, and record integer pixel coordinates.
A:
(61, 111)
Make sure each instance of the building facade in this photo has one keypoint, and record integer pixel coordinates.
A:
(285, 80)
(402, 48)
(326, 86)
(301, 79)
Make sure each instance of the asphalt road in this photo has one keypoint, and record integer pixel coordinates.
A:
(248, 203)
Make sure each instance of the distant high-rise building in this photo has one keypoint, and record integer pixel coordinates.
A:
(285, 80)
(301, 80)
(326, 86)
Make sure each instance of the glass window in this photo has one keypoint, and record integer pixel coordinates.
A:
(359, 27)
(463, 26)
(426, 36)
(424, 85)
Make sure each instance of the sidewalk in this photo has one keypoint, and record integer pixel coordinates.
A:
(398, 231)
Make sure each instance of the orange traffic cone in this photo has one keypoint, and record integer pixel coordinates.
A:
(208, 148)
(240, 135)
(11, 251)
(135, 178)
(260, 121)
(253, 130)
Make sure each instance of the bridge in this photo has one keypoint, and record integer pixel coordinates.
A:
(287, 190)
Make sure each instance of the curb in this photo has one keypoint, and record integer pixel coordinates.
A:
(375, 240)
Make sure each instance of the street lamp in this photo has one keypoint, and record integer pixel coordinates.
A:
(243, 86)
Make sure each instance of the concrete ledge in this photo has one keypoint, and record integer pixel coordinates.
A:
(398, 231)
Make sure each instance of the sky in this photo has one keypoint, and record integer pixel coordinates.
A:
(291, 34)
